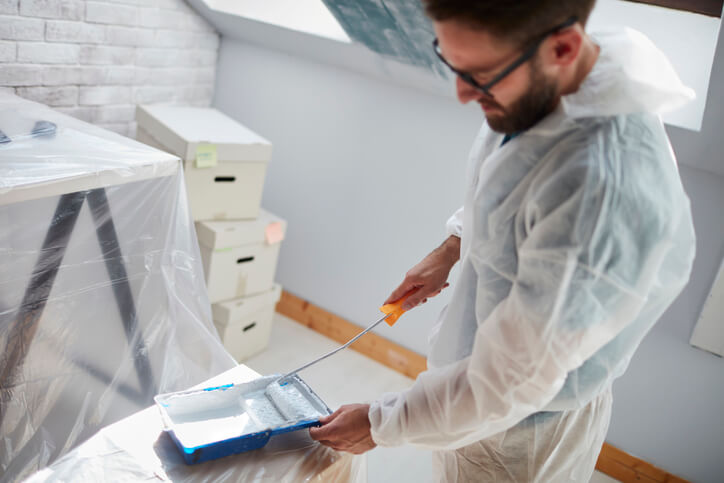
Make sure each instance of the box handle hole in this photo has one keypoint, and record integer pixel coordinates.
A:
(225, 179)
(245, 259)
(249, 327)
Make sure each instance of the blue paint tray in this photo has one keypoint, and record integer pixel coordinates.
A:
(219, 421)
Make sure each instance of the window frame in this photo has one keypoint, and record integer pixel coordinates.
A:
(711, 8)
(708, 332)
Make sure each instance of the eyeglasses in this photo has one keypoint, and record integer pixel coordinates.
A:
(524, 57)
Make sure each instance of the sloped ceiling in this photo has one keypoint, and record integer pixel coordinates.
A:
(397, 29)
(392, 42)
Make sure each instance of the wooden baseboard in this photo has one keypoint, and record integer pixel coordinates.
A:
(612, 461)
(626, 468)
(372, 345)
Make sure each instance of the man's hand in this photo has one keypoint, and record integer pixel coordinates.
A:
(347, 429)
(429, 277)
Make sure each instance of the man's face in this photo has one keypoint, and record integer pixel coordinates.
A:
(519, 100)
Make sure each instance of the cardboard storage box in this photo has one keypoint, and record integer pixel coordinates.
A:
(224, 162)
(240, 257)
(244, 324)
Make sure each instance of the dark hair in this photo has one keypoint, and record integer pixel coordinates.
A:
(516, 20)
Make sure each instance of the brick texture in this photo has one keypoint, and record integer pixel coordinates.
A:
(67, 9)
(7, 51)
(96, 59)
(45, 53)
(80, 32)
(102, 12)
(103, 95)
(57, 96)
(9, 6)
(20, 28)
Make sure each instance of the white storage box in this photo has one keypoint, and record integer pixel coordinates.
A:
(224, 162)
(240, 257)
(244, 324)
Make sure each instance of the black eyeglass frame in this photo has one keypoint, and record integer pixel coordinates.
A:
(524, 57)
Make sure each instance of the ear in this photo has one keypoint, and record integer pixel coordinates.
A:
(562, 48)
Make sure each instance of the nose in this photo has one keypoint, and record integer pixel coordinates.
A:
(466, 92)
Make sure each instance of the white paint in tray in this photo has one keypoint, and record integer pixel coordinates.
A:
(203, 417)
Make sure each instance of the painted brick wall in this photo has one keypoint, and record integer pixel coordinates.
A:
(96, 60)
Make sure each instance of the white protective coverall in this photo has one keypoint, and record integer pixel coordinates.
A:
(576, 236)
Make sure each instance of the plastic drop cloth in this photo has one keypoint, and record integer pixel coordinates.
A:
(576, 236)
(136, 449)
(102, 297)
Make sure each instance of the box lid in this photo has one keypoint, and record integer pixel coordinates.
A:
(220, 235)
(235, 309)
(183, 129)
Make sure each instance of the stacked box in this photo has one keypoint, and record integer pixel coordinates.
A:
(224, 168)
(224, 162)
(240, 257)
(245, 323)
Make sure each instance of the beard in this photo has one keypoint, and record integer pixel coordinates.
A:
(526, 111)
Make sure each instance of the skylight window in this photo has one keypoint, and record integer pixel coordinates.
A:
(308, 16)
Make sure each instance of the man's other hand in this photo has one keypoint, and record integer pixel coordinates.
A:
(347, 429)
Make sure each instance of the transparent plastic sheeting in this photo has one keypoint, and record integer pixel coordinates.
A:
(102, 297)
(294, 459)
(136, 449)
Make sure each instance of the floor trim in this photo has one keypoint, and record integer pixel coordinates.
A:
(372, 345)
(626, 468)
(612, 461)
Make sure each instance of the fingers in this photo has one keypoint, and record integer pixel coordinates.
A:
(323, 432)
(347, 429)
(406, 286)
(420, 296)
(329, 418)
(437, 292)
(319, 433)
(417, 298)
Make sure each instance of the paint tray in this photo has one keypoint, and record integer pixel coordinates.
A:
(218, 421)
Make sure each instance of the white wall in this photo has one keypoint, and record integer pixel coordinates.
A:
(351, 170)
(367, 172)
(96, 60)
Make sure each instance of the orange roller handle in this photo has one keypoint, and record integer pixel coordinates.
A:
(395, 308)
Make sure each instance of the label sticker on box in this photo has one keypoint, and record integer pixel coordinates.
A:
(274, 233)
(206, 155)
